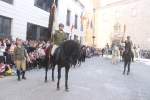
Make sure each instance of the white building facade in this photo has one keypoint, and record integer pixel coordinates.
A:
(28, 19)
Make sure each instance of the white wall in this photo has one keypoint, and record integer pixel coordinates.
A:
(75, 9)
(24, 11)
(21, 12)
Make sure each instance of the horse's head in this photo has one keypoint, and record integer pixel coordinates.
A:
(72, 50)
(75, 54)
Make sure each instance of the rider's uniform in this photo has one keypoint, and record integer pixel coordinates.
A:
(128, 41)
(107, 46)
(58, 38)
(134, 47)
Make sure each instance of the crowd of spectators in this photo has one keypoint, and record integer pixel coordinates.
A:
(92, 51)
(35, 50)
(36, 53)
(144, 54)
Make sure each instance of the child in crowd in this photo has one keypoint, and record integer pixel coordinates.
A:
(5, 70)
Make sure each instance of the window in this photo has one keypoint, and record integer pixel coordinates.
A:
(0, 24)
(5, 24)
(81, 40)
(67, 35)
(133, 12)
(45, 4)
(81, 27)
(76, 20)
(68, 18)
(41, 4)
(75, 37)
(8, 1)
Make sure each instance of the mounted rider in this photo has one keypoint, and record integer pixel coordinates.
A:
(127, 41)
(59, 37)
(107, 45)
(134, 47)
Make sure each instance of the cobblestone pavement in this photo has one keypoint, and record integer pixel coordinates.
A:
(97, 79)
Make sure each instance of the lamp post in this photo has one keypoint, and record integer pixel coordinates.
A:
(94, 10)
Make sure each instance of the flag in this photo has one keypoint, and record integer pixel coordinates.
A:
(82, 20)
(91, 24)
(85, 16)
(72, 27)
(52, 21)
(81, 14)
(87, 24)
(124, 28)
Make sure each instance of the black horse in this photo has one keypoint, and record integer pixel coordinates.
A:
(127, 55)
(68, 53)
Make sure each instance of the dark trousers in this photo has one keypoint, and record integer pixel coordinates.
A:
(1, 73)
(2, 58)
(83, 58)
(102, 54)
(40, 63)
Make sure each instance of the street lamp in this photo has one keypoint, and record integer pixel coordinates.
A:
(94, 10)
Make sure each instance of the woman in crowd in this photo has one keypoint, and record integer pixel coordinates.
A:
(13, 45)
(2, 51)
(41, 56)
(9, 58)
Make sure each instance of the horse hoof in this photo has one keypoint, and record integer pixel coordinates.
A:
(127, 73)
(67, 90)
(46, 81)
(53, 80)
(58, 88)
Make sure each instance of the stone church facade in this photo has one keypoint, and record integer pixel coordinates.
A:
(112, 17)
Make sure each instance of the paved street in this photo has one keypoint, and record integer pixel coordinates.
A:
(97, 79)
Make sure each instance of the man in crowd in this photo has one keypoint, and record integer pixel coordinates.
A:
(20, 57)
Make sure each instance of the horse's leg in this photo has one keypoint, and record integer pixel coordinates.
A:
(66, 77)
(128, 68)
(46, 69)
(125, 63)
(53, 72)
(59, 76)
(132, 57)
(112, 59)
(80, 63)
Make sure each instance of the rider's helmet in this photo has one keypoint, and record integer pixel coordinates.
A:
(128, 36)
(62, 25)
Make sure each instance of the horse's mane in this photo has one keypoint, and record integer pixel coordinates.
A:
(70, 46)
